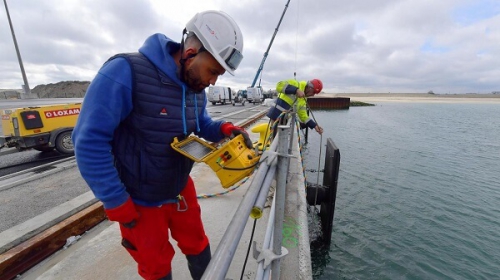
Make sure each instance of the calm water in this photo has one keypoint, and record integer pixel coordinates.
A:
(418, 192)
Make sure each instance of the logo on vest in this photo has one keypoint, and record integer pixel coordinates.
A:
(163, 112)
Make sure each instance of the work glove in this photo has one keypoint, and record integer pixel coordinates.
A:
(231, 131)
(126, 214)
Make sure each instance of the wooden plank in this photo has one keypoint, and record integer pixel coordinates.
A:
(29, 253)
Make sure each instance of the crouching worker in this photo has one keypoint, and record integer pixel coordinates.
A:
(133, 109)
(294, 93)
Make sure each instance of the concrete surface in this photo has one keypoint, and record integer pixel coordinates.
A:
(6, 151)
(99, 255)
(34, 173)
(25, 201)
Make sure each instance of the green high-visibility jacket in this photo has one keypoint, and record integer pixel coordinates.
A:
(286, 98)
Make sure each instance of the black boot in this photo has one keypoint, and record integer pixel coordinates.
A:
(198, 263)
(168, 277)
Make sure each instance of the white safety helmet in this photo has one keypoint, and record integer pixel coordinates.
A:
(220, 36)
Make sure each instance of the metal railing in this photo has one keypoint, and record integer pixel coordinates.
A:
(274, 162)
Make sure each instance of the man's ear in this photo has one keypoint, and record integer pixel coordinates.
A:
(190, 53)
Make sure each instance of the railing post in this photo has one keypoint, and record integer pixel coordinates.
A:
(221, 259)
(284, 138)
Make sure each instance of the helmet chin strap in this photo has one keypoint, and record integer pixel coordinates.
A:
(182, 61)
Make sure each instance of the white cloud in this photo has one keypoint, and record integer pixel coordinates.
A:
(369, 46)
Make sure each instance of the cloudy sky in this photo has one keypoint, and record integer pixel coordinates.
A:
(447, 46)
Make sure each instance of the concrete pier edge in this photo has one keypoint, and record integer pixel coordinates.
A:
(118, 264)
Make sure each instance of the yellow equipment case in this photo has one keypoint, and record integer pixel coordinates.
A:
(231, 162)
(43, 128)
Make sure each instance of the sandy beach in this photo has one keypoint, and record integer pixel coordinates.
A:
(418, 97)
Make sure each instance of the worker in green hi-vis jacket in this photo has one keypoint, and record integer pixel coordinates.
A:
(293, 91)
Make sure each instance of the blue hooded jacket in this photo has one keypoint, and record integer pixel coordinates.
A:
(114, 125)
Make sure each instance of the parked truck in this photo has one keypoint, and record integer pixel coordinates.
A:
(42, 128)
(240, 97)
(219, 94)
(254, 95)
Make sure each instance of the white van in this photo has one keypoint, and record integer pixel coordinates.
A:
(254, 95)
(218, 94)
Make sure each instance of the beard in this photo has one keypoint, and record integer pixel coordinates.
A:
(193, 80)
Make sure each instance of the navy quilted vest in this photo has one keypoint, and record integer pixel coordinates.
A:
(149, 168)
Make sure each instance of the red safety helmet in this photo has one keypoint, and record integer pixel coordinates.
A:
(316, 85)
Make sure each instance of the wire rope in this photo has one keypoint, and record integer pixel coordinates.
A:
(248, 250)
(296, 40)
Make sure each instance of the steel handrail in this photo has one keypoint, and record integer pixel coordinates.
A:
(223, 256)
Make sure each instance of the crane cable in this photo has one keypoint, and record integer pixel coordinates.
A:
(296, 41)
(307, 104)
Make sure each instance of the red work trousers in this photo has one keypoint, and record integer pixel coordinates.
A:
(148, 241)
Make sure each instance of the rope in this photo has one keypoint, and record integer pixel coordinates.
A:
(319, 162)
(247, 177)
(319, 156)
(273, 126)
(268, 140)
(296, 41)
(310, 111)
(224, 192)
(249, 247)
(297, 125)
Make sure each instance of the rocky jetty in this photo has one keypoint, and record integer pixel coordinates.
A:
(66, 89)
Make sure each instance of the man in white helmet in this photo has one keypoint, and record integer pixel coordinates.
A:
(133, 109)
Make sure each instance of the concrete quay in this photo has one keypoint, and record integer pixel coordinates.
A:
(99, 255)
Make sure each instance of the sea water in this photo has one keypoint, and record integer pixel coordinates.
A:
(418, 191)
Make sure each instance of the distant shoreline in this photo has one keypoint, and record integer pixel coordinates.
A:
(417, 97)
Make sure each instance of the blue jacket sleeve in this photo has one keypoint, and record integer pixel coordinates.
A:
(209, 129)
(107, 102)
